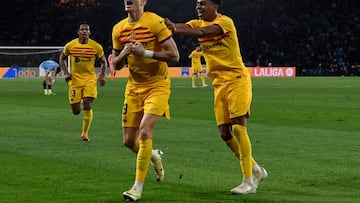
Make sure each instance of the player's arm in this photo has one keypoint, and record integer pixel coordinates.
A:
(185, 29)
(103, 69)
(57, 71)
(119, 56)
(169, 52)
(62, 62)
(190, 56)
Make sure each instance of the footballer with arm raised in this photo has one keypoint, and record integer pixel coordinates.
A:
(217, 36)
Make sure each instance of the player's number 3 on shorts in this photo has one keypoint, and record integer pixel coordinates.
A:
(73, 93)
(125, 107)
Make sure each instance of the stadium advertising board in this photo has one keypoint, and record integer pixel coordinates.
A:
(33, 72)
(272, 71)
(254, 72)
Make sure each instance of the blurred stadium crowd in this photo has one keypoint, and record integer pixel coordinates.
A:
(319, 37)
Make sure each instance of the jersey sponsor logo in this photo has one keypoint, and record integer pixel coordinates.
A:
(216, 44)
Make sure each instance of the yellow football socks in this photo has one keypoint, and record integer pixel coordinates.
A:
(143, 159)
(202, 78)
(88, 116)
(193, 80)
(234, 146)
(240, 132)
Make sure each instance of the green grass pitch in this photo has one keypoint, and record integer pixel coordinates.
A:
(304, 131)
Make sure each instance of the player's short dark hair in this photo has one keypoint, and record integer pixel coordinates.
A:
(82, 23)
(218, 2)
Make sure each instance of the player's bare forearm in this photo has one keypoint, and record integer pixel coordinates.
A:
(119, 59)
(62, 61)
(184, 29)
(171, 52)
(166, 56)
(103, 65)
(101, 78)
(180, 28)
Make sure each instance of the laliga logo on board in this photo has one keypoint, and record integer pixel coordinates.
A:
(273, 72)
(289, 72)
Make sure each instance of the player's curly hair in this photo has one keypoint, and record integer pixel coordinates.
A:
(218, 2)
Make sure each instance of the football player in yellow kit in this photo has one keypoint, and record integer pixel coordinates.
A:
(197, 67)
(82, 78)
(231, 80)
(146, 44)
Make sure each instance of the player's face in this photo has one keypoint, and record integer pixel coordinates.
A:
(206, 9)
(133, 5)
(84, 32)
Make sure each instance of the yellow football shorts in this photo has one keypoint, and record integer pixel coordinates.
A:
(140, 99)
(197, 69)
(77, 92)
(232, 100)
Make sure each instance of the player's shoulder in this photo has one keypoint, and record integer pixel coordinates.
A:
(194, 22)
(42, 64)
(94, 43)
(49, 63)
(224, 18)
(54, 63)
(151, 15)
(153, 20)
(72, 42)
(120, 24)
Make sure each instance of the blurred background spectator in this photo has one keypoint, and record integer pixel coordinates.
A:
(318, 37)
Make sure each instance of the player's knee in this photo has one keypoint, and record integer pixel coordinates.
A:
(87, 107)
(76, 109)
(225, 136)
(129, 143)
(76, 112)
(225, 132)
(87, 104)
(145, 133)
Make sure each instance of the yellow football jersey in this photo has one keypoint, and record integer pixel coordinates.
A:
(150, 30)
(221, 52)
(195, 58)
(82, 60)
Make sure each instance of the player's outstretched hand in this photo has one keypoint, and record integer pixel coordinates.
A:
(170, 25)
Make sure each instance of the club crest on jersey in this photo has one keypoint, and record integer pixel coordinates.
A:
(132, 36)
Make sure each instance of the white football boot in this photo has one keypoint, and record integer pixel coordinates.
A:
(157, 164)
(259, 174)
(132, 195)
(246, 187)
